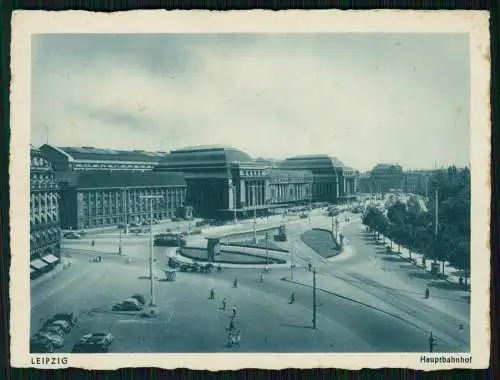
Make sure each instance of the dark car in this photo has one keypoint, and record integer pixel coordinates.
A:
(68, 317)
(72, 235)
(39, 345)
(140, 298)
(169, 240)
(130, 304)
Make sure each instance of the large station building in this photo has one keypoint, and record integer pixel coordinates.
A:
(107, 187)
(224, 181)
(102, 199)
(45, 234)
(64, 159)
(332, 181)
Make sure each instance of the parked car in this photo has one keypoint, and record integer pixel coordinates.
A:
(91, 343)
(56, 340)
(68, 317)
(140, 298)
(99, 338)
(72, 235)
(130, 304)
(53, 329)
(41, 345)
(170, 240)
(63, 325)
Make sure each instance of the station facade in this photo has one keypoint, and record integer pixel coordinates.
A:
(95, 200)
(332, 181)
(45, 233)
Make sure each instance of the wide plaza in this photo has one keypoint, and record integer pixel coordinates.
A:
(366, 300)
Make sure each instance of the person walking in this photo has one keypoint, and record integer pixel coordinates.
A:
(231, 325)
(292, 298)
(235, 311)
(224, 303)
(92, 243)
(238, 338)
(235, 283)
(261, 277)
(427, 292)
(212, 294)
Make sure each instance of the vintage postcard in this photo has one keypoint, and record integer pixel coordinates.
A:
(224, 190)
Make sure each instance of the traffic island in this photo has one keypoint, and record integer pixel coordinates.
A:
(322, 242)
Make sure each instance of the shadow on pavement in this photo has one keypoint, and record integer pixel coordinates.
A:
(423, 275)
(296, 326)
(393, 259)
(407, 266)
(441, 284)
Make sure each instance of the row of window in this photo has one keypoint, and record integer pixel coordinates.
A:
(102, 166)
(85, 223)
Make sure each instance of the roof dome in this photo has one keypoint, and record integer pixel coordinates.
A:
(311, 162)
(212, 155)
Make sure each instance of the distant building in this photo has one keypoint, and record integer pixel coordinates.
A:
(417, 181)
(45, 234)
(385, 178)
(100, 199)
(332, 180)
(92, 159)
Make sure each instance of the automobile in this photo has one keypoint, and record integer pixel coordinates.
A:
(53, 329)
(63, 325)
(93, 343)
(173, 263)
(72, 235)
(169, 240)
(88, 348)
(41, 345)
(98, 338)
(303, 215)
(130, 304)
(68, 317)
(140, 298)
(56, 340)
(134, 224)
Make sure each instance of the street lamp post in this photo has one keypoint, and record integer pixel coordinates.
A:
(151, 255)
(267, 249)
(120, 243)
(314, 299)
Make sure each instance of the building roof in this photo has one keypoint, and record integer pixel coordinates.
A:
(110, 179)
(213, 155)
(91, 153)
(387, 169)
(312, 162)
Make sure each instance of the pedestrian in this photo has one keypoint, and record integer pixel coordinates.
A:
(235, 311)
(292, 298)
(238, 338)
(92, 243)
(427, 292)
(309, 266)
(212, 293)
(261, 277)
(224, 303)
(235, 283)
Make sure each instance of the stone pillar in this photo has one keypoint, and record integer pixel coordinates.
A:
(243, 191)
(267, 191)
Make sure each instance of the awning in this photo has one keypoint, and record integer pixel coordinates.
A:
(38, 264)
(50, 259)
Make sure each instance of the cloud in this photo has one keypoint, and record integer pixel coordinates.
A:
(365, 102)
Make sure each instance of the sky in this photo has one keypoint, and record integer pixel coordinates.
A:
(363, 98)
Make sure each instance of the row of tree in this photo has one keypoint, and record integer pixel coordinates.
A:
(409, 226)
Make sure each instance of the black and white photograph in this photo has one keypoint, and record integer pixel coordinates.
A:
(251, 189)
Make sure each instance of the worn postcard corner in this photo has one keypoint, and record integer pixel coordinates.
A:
(227, 190)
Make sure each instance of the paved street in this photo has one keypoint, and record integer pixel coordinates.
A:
(368, 301)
